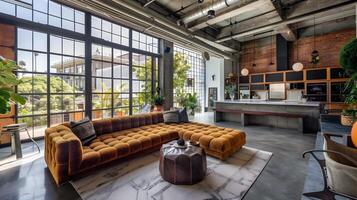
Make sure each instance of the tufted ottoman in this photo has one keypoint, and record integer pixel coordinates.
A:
(182, 166)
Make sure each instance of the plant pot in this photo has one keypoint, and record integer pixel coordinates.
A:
(347, 120)
(159, 108)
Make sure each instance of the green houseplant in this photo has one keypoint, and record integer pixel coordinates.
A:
(190, 102)
(8, 82)
(348, 61)
(158, 101)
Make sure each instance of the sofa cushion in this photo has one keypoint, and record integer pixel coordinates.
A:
(354, 134)
(183, 115)
(84, 130)
(171, 116)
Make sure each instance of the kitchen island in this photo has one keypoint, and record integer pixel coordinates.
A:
(302, 116)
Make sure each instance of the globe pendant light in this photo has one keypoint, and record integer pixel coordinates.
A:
(297, 66)
(244, 72)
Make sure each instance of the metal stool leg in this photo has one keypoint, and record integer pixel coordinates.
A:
(17, 141)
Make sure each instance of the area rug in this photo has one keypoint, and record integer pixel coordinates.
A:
(139, 179)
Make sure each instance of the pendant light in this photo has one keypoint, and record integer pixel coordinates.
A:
(297, 66)
(271, 49)
(244, 71)
(254, 65)
(315, 58)
(211, 13)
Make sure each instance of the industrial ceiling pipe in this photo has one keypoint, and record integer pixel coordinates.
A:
(219, 5)
(303, 17)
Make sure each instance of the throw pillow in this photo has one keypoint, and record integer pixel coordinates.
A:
(171, 116)
(183, 115)
(84, 130)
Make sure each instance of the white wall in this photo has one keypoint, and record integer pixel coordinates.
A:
(215, 66)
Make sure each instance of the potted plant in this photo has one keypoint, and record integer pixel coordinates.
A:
(158, 102)
(192, 102)
(189, 101)
(8, 82)
(231, 90)
(348, 60)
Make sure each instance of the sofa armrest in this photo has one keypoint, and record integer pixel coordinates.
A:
(63, 152)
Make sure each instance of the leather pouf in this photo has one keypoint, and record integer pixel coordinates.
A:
(354, 134)
(182, 166)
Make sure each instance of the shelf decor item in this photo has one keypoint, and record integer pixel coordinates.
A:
(348, 60)
(231, 90)
(8, 82)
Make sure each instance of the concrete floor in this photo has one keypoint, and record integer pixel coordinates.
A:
(282, 179)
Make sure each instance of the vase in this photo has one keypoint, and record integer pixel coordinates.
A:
(231, 96)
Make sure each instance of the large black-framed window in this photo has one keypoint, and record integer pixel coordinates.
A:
(61, 62)
(195, 82)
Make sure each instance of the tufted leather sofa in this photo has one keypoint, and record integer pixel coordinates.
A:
(120, 137)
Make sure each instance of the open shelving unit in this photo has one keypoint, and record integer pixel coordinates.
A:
(325, 85)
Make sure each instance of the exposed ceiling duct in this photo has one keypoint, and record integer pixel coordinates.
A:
(219, 5)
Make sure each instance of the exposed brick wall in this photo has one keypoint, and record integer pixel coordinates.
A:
(263, 57)
(328, 45)
(7, 44)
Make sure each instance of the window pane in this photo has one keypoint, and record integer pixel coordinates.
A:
(40, 5)
(68, 65)
(67, 13)
(79, 102)
(96, 52)
(107, 69)
(56, 103)
(55, 44)
(96, 22)
(23, 41)
(96, 68)
(69, 25)
(24, 13)
(55, 9)
(40, 62)
(40, 104)
(7, 8)
(80, 65)
(79, 17)
(79, 28)
(26, 58)
(56, 64)
(26, 83)
(68, 46)
(40, 41)
(106, 26)
(55, 21)
(79, 49)
(39, 17)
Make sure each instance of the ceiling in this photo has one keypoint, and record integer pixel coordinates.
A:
(262, 12)
(186, 21)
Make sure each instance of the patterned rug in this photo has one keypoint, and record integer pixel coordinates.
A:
(139, 179)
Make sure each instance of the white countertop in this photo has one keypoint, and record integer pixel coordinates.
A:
(263, 102)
